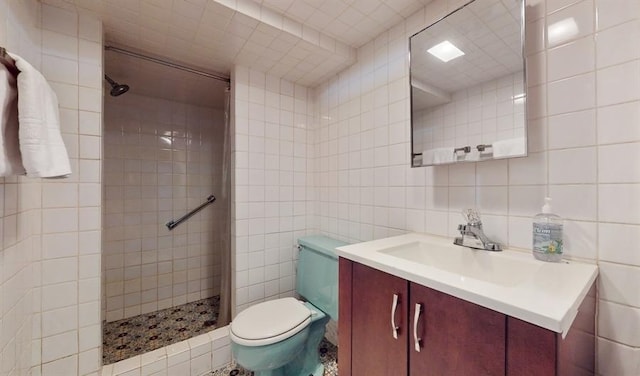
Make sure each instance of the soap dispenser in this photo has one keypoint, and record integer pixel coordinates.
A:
(547, 234)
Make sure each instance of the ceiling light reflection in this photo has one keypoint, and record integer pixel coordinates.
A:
(445, 51)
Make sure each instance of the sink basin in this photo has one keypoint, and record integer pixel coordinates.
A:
(467, 263)
(512, 282)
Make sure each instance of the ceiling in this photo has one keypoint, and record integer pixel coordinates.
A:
(353, 22)
(159, 81)
(304, 41)
(487, 31)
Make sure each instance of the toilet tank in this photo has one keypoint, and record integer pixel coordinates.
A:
(317, 272)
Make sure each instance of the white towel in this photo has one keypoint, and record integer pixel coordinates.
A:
(473, 155)
(43, 152)
(509, 148)
(10, 161)
(437, 156)
(417, 160)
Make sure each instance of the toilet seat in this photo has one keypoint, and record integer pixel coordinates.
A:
(269, 322)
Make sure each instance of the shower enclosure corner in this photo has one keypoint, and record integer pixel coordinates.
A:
(166, 152)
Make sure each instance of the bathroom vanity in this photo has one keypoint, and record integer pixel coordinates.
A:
(418, 305)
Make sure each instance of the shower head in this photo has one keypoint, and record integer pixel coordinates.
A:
(116, 88)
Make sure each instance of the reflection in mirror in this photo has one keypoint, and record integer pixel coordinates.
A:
(467, 85)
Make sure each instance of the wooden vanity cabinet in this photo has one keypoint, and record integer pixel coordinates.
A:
(456, 337)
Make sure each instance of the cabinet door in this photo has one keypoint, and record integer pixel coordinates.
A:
(375, 351)
(457, 337)
(532, 350)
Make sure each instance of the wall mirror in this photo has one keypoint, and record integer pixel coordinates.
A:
(468, 88)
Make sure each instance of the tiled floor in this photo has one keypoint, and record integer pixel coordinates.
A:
(328, 355)
(133, 336)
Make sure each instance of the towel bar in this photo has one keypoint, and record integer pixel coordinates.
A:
(465, 149)
(8, 61)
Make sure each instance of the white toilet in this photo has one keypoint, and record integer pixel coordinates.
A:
(281, 337)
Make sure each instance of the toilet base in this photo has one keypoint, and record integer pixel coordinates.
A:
(307, 362)
(319, 371)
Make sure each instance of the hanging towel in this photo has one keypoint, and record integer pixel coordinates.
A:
(438, 156)
(43, 152)
(10, 161)
(473, 155)
(509, 148)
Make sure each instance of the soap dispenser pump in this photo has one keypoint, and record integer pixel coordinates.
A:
(547, 234)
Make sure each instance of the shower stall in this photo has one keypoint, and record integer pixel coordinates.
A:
(166, 153)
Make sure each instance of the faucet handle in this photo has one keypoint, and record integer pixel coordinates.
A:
(472, 216)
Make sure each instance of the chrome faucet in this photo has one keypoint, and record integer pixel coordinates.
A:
(472, 234)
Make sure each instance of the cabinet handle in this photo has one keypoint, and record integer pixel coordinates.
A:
(416, 317)
(394, 308)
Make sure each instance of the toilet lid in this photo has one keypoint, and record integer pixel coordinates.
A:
(270, 322)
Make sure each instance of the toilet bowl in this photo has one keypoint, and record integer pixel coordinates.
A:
(281, 337)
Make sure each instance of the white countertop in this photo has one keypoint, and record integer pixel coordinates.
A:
(513, 283)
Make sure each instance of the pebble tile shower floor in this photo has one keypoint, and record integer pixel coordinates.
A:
(328, 356)
(133, 336)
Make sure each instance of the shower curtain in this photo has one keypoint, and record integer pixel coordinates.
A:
(224, 315)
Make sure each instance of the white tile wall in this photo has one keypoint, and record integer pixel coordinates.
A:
(71, 219)
(584, 128)
(162, 158)
(20, 209)
(270, 156)
(477, 115)
(336, 159)
(51, 228)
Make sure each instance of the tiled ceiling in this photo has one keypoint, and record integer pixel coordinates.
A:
(353, 22)
(304, 41)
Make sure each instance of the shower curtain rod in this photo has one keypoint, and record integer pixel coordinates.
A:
(167, 63)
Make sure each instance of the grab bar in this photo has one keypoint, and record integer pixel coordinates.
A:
(174, 222)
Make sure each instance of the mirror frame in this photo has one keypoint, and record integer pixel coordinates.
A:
(524, 80)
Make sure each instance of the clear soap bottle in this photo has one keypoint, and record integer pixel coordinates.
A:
(547, 234)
